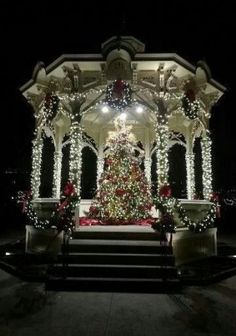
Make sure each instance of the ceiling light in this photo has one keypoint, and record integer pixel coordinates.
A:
(105, 109)
(139, 109)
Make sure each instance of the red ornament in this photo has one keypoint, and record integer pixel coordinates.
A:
(69, 189)
(190, 94)
(108, 161)
(93, 210)
(62, 205)
(120, 192)
(165, 191)
(118, 90)
(215, 197)
(218, 214)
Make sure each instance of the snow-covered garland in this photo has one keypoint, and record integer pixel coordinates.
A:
(61, 219)
(169, 205)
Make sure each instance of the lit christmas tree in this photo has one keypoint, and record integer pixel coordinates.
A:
(123, 196)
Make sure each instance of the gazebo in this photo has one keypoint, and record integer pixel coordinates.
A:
(167, 101)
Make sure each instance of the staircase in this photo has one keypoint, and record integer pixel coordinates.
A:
(115, 261)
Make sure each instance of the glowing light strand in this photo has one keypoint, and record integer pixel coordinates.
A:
(162, 139)
(189, 157)
(36, 166)
(57, 174)
(206, 166)
(173, 206)
(75, 164)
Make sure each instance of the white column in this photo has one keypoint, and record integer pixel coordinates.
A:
(100, 157)
(190, 162)
(147, 167)
(100, 167)
(162, 138)
(36, 167)
(147, 160)
(57, 174)
(206, 166)
(189, 158)
(75, 163)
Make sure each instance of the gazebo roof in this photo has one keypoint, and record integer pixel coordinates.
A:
(143, 62)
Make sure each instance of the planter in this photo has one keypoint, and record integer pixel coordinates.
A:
(190, 246)
(46, 241)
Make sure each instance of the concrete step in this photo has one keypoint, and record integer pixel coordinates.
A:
(109, 284)
(117, 258)
(117, 235)
(114, 271)
(117, 246)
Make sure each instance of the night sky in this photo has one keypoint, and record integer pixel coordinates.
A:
(34, 31)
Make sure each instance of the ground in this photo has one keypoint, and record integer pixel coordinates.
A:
(27, 309)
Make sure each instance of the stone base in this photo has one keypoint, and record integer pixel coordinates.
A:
(43, 241)
(44, 207)
(189, 246)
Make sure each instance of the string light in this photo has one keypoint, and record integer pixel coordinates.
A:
(190, 107)
(75, 164)
(162, 139)
(36, 166)
(57, 173)
(206, 166)
(189, 158)
(174, 207)
(118, 94)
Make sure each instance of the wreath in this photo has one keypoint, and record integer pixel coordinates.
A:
(190, 105)
(118, 94)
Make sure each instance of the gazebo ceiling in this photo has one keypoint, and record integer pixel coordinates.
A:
(137, 115)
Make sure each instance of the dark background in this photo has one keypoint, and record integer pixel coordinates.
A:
(39, 31)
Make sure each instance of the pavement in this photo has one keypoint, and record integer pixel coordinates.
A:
(26, 309)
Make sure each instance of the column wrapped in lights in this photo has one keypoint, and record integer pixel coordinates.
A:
(206, 166)
(147, 167)
(75, 163)
(57, 174)
(100, 167)
(189, 158)
(36, 167)
(162, 139)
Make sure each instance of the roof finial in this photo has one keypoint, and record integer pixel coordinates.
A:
(121, 32)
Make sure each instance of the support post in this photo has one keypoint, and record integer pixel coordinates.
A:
(147, 160)
(36, 167)
(57, 173)
(189, 158)
(75, 164)
(190, 173)
(100, 166)
(162, 138)
(206, 166)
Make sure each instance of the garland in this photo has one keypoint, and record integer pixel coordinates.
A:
(170, 205)
(61, 219)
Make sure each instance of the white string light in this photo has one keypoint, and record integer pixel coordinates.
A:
(75, 163)
(206, 166)
(189, 158)
(36, 166)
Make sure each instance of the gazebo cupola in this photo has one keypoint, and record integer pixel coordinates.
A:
(169, 102)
